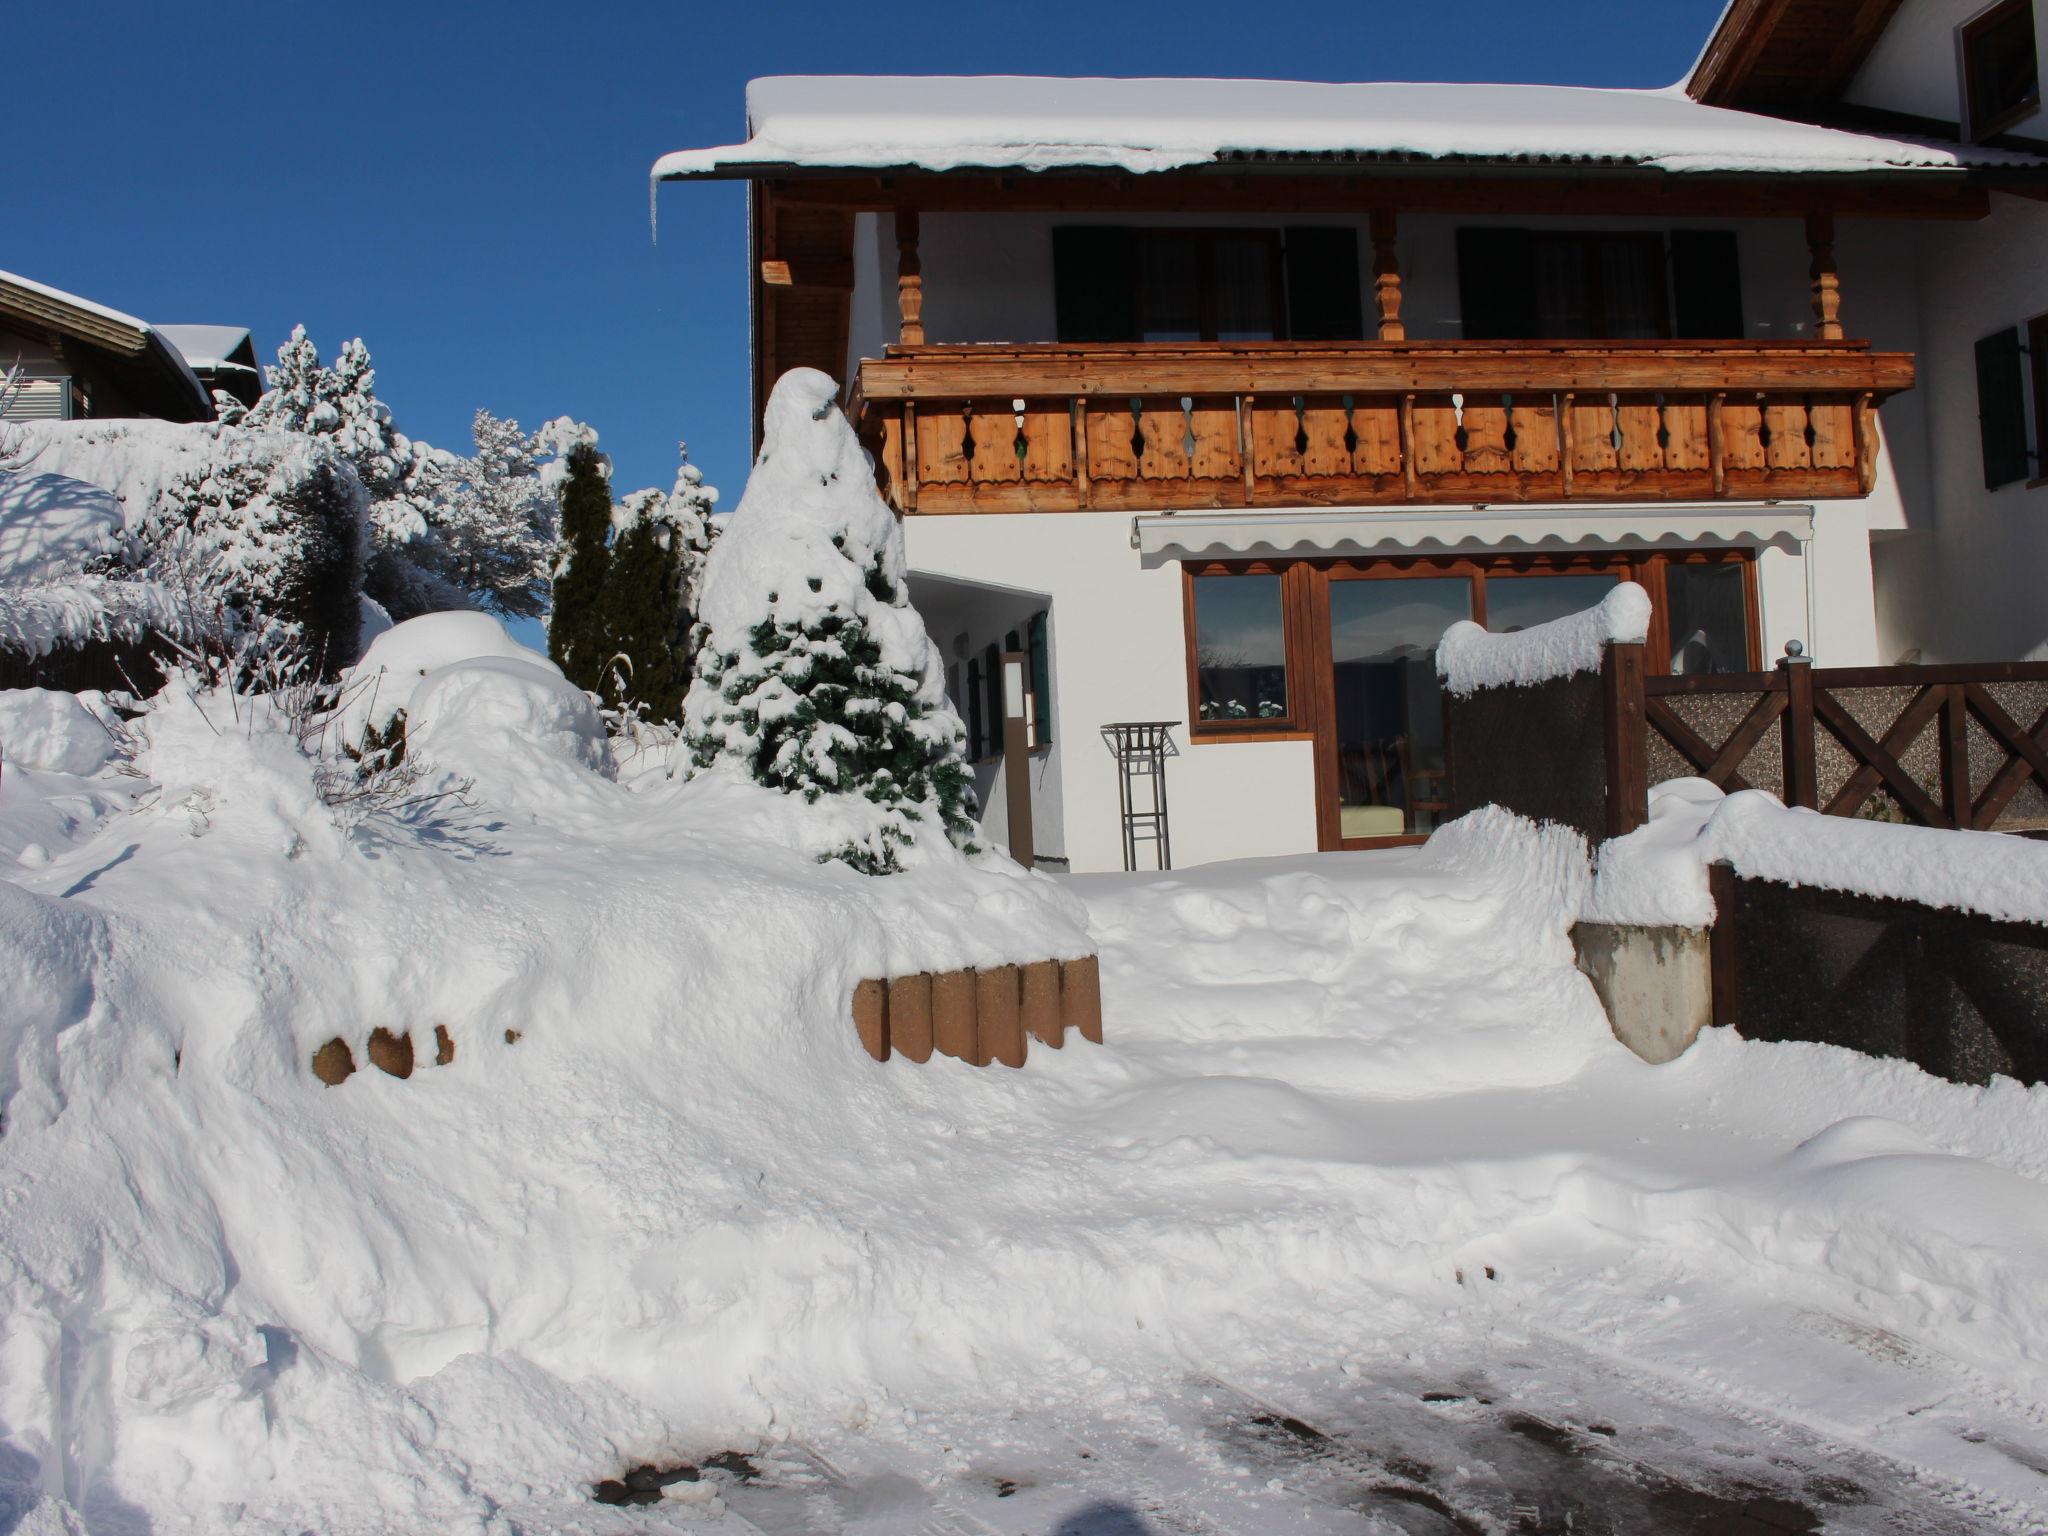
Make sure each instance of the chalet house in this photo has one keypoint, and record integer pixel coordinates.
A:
(1223, 398)
(81, 359)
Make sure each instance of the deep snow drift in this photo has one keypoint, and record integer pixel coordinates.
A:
(661, 1204)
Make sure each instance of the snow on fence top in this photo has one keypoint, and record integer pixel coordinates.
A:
(1991, 873)
(1468, 658)
(1016, 122)
(1657, 874)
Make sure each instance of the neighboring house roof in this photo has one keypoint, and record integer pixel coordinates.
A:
(151, 368)
(224, 356)
(1787, 56)
(1017, 123)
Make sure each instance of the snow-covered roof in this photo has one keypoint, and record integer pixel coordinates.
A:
(211, 346)
(122, 330)
(1016, 122)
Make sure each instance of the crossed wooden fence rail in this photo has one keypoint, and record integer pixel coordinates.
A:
(1805, 704)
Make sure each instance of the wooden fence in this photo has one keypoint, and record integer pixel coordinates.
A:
(980, 1016)
(1938, 746)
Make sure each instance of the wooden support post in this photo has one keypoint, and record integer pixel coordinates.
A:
(1827, 283)
(1627, 738)
(1723, 974)
(1041, 1004)
(871, 1017)
(1717, 441)
(1386, 276)
(953, 1026)
(909, 280)
(1801, 771)
(1567, 439)
(1017, 706)
(1081, 997)
(1956, 798)
(997, 1016)
(910, 1016)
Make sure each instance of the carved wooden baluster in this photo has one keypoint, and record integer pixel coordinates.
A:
(909, 280)
(1827, 284)
(1386, 276)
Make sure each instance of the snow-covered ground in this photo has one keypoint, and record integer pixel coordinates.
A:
(1359, 1170)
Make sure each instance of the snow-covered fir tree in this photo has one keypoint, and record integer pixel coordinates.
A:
(495, 526)
(404, 480)
(816, 676)
(690, 505)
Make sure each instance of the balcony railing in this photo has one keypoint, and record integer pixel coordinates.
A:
(1154, 427)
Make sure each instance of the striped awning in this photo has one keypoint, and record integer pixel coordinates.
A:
(1431, 530)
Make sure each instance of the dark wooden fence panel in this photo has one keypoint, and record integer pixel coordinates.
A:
(1962, 996)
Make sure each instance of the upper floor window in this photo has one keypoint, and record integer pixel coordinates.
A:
(1598, 285)
(2001, 76)
(1114, 284)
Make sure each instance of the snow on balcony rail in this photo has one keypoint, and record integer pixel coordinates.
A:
(1469, 658)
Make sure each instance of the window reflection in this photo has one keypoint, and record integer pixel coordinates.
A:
(1709, 614)
(1516, 602)
(1389, 719)
(1240, 648)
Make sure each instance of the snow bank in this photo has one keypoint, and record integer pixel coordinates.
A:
(399, 657)
(1470, 658)
(515, 726)
(51, 525)
(944, 123)
(51, 730)
(1658, 873)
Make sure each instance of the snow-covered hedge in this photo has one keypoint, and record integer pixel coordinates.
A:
(267, 524)
(1470, 658)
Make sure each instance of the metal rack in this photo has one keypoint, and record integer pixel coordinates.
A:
(1141, 748)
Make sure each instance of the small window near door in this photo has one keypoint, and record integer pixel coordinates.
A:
(2001, 74)
(1240, 639)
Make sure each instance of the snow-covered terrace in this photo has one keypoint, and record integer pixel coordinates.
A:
(1024, 123)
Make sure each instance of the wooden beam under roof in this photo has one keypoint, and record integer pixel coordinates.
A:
(35, 307)
(1791, 58)
(1934, 194)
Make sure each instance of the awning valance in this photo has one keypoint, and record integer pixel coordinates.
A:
(1427, 530)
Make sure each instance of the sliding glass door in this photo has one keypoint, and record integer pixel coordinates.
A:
(1388, 715)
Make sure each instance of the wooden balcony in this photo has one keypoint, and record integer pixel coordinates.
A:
(1155, 427)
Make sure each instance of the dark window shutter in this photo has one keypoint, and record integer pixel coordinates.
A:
(2001, 408)
(1497, 284)
(974, 711)
(1011, 642)
(1041, 677)
(1323, 301)
(1095, 284)
(1706, 284)
(992, 702)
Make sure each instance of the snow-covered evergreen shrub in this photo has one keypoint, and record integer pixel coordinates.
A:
(653, 580)
(578, 634)
(816, 676)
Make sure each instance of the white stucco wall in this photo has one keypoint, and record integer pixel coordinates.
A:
(1968, 585)
(1118, 654)
(1915, 67)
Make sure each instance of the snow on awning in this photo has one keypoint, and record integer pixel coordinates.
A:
(1228, 535)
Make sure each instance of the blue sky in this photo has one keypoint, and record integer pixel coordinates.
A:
(465, 186)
